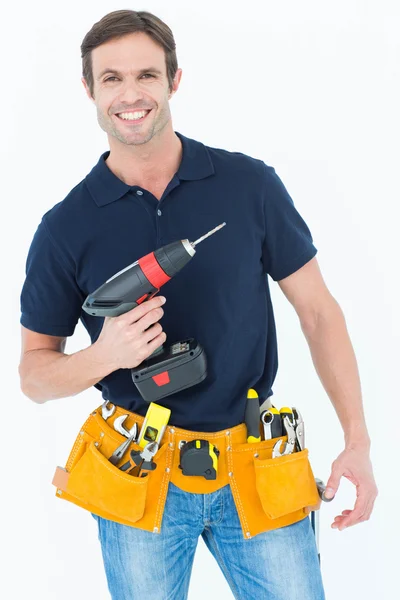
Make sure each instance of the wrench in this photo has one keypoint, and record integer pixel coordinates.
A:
(289, 447)
(118, 426)
(107, 412)
(120, 451)
(272, 423)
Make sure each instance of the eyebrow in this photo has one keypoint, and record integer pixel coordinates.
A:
(110, 70)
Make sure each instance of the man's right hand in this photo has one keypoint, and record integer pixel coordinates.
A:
(125, 341)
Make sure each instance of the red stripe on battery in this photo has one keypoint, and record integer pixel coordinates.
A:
(161, 378)
(153, 271)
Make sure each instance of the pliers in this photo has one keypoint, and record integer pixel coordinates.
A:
(142, 459)
(299, 429)
(291, 441)
(294, 427)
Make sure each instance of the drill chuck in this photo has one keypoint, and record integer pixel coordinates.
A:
(173, 257)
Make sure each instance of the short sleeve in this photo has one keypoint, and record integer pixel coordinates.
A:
(288, 244)
(51, 300)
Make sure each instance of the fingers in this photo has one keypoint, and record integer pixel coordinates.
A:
(361, 512)
(149, 319)
(152, 332)
(143, 309)
(353, 516)
(370, 508)
(339, 519)
(333, 483)
(355, 465)
(367, 510)
(156, 342)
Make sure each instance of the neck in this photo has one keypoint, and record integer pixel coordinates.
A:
(155, 161)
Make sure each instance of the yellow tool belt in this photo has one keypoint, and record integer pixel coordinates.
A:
(268, 492)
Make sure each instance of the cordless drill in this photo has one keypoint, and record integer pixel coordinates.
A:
(165, 371)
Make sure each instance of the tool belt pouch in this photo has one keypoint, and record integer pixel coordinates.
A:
(285, 484)
(91, 481)
(270, 492)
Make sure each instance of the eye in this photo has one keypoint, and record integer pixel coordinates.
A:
(144, 74)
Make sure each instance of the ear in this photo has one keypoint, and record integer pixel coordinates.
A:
(85, 85)
(176, 82)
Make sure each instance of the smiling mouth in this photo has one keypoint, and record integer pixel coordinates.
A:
(128, 117)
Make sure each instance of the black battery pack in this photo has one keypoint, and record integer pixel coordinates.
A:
(171, 370)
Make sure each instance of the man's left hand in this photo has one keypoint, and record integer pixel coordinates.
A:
(354, 463)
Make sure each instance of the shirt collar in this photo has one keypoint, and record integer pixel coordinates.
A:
(105, 187)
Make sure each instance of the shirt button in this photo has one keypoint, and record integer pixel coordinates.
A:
(139, 193)
(159, 212)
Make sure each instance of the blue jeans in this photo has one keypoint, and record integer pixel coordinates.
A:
(276, 565)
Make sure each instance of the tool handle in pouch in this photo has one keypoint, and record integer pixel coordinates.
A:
(252, 416)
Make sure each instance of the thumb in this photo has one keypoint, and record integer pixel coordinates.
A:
(333, 483)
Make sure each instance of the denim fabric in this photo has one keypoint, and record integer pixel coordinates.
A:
(276, 565)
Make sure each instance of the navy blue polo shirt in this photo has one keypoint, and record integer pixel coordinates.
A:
(221, 298)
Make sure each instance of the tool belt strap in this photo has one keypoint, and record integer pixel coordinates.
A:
(268, 493)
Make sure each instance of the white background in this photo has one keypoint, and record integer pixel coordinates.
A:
(310, 87)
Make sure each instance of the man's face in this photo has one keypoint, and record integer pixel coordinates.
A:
(138, 83)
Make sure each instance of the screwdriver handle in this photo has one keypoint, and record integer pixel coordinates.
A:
(252, 417)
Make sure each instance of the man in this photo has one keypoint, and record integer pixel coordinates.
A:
(153, 187)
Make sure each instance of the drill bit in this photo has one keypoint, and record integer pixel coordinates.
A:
(203, 237)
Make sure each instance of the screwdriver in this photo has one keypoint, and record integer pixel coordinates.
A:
(252, 417)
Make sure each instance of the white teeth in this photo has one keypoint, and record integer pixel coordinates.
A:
(133, 116)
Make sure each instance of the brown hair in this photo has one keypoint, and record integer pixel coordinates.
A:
(122, 22)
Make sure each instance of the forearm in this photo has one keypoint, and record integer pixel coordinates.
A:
(48, 374)
(335, 362)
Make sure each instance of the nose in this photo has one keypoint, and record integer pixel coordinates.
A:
(131, 91)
